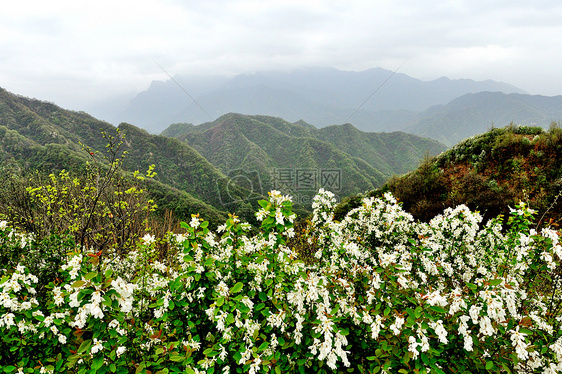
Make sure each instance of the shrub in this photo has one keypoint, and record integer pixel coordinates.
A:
(384, 294)
(102, 208)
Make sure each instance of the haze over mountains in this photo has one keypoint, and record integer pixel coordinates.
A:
(476, 113)
(319, 96)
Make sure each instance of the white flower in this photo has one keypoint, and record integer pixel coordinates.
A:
(120, 350)
(97, 346)
(255, 366)
(278, 216)
(397, 325)
(58, 296)
(148, 239)
(223, 353)
(261, 214)
(194, 222)
(440, 331)
(518, 341)
(412, 347)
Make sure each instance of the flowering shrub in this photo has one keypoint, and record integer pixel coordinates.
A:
(385, 294)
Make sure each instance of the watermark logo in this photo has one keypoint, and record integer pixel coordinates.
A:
(306, 179)
(302, 183)
(239, 185)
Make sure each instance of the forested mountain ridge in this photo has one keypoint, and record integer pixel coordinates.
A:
(250, 147)
(41, 135)
(225, 167)
(266, 144)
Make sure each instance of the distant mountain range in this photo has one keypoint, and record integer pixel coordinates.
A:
(473, 114)
(319, 96)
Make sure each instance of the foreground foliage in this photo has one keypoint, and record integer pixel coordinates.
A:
(383, 294)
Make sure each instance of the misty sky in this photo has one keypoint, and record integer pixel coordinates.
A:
(72, 53)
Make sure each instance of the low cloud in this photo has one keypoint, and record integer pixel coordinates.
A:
(73, 53)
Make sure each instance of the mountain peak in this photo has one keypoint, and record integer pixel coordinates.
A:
(320, 96)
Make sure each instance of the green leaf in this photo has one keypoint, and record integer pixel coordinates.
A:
(176, 357)
(210, 261)
(84, 346)
(97, 363)
(237, 287)
(207, 351)
(72, 360)
(268, 221)
(91, 275)
(212, 353)
(220, 301)
(78, 283)
(230, 318)
(438, 309)
(495, 282)
(107, 301)
(9, 369)
(344, 332)
(489, 365)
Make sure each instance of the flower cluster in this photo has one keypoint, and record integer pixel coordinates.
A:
(386, 294)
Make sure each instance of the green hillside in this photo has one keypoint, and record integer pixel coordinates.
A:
(214, 168)
(488, 173)
(274, 154)
(392, 153)
(269, 146)
(41, 135)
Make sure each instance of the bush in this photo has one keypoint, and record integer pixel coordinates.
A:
(384, 294)
(101, 208)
